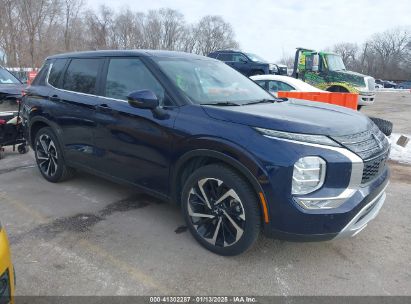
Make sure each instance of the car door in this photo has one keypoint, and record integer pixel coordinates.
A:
(74, 97)
(134, 144)
(227, 58)
(241, 63)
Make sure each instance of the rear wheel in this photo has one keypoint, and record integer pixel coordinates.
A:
(49, 157)
(221, 210)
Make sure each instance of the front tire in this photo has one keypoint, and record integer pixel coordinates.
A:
(49, 157)
(221, 210)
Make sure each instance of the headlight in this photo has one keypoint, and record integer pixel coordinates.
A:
(315, 139)
(308, 175)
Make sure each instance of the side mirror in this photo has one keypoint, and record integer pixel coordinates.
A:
(143, 99)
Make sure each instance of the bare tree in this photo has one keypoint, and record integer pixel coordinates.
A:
(99, 28)
(33, 15)
(348, 52)
(71, 11)
(46, 27)
(213, 33)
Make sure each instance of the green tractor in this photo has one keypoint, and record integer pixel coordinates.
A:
(326, 71)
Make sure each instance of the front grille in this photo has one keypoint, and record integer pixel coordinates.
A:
(372, 146)
(373, 168)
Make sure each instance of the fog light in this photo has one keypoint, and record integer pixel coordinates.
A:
(308, 175)
(319, 204)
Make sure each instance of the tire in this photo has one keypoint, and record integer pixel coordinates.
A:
(49, 157)
(228, 227)
(384, 125)
(23, 149)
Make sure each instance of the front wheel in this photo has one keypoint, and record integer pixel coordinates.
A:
(221, 210)
(49, 157)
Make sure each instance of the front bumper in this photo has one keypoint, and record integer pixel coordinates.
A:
(6, 271)
(356, 219)
(366, 99)
(289, 220)
(366, 214)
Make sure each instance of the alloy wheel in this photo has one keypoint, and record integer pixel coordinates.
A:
(46, 154)
(216, 212)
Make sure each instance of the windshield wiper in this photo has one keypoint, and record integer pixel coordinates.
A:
(221, 104)
(261, 101)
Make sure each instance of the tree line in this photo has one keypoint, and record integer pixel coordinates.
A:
(31, 30)
(385, 55)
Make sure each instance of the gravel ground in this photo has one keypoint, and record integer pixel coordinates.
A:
(89, 236)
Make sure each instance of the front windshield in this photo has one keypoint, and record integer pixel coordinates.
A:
(211, 82)
(255, 57)
(7, 78)
(335, 63)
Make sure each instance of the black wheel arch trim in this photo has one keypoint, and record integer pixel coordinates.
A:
(44, 120)
(224, 158)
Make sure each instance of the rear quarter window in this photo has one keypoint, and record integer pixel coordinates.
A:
(57, 68)
(81, 75)
(40, 78)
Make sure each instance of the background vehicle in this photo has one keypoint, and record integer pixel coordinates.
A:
(386, 83)
(404, 85)
(6, 270)
(327, 71)
(191, 130)
(10, 87)
(275, 83)
(246, 63)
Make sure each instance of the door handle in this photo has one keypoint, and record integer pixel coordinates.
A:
(104, 108)
(54, 98)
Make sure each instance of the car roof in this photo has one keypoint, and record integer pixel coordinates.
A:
(227, 51)
(125, 53)
(289, 80)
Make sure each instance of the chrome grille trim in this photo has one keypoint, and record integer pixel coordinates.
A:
(373, 148)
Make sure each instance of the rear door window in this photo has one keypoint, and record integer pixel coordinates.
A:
(239, 58)
(225, 57)
(81, 75)
(127, 75)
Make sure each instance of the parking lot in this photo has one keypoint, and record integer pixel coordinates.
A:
(89, 236)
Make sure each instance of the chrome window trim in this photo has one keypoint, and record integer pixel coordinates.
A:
(86, 94)
(356, 170)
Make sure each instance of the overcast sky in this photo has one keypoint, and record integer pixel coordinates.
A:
(272, 28)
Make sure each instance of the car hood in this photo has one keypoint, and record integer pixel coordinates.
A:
(295, 115)
(12, 89)
(354, 78)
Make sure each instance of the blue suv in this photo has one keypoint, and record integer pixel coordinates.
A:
(247, 64)
(191, 130)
